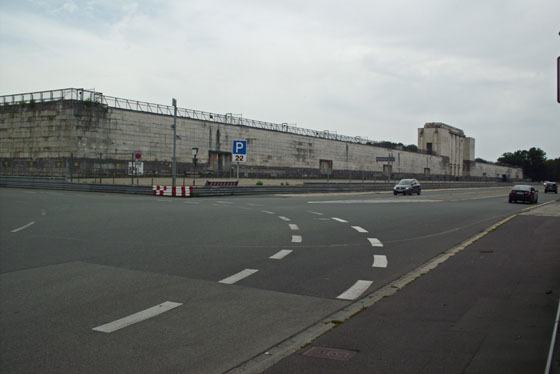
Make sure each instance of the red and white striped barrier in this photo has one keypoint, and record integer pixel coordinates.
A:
(180, 191)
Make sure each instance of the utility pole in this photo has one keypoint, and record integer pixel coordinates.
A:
(174, 167)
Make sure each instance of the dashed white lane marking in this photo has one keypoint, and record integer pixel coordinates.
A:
(355, 291)
(379, 261)
(267, 212)
(237, 277)
(293, 227)
(359, 229)
(137, 317)
(24, 227)
(375, 242)
(224, 202)
(297, 239)
(316, 213)
(251, 204)
(284, 218)
(339, 220)
(43, 212)
(281, 254)
(191, 202)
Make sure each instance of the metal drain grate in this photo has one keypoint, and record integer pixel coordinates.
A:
(330, 353)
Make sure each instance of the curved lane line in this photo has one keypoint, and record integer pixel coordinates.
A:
(339, 220)
(281, 254)
(359, 229)
(297, 239)
(375, 242)
(355, 291)
(24, 227)
(379, 261)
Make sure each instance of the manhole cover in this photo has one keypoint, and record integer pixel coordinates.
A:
(330, 353)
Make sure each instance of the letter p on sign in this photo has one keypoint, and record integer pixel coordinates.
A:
(239, 147)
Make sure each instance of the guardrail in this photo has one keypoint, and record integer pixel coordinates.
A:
(63, 184)
(91, 96)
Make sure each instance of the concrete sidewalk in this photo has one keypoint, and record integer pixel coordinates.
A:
(489, 309)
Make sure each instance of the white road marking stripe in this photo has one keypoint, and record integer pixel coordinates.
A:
(376, 201)
(317, 213)
(293, 227)
(359, 229)
(237, 277)
(339, 220)
(355, 291)
(267, 212)
(379, 261)
(375, 242)
(137, 317)
(43, 212)
(281, 254)
(24, 227)
(297, 239)
(224, 202)
(284, 218)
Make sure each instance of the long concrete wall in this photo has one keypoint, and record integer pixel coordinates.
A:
(84, 138)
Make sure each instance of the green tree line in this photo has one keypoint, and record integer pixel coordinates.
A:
(534, 163)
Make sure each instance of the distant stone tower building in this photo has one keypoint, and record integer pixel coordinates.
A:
(450, 143)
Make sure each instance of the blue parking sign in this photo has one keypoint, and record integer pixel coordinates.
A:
(240, 147)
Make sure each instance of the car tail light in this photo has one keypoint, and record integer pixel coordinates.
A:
(527, 193)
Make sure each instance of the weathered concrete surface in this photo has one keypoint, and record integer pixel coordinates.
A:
(87, 138)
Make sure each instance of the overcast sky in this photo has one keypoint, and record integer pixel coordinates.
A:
(377, 69)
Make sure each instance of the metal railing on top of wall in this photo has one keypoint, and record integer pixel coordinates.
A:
(141, 106)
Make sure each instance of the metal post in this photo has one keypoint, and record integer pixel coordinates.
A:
(174, 167)
(195, 161)
(238, 171)
(100, 168)
(132, 165)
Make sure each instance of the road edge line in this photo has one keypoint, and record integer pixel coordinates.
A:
(305, 337)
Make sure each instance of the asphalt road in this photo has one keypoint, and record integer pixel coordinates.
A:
(112, 283)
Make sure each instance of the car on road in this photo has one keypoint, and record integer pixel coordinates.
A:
(550, 187)
(523, 192)
(407, 187)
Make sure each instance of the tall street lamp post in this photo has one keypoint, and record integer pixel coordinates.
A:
(174, 166)
(194, 160)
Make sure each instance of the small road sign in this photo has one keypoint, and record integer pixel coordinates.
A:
(239, 150)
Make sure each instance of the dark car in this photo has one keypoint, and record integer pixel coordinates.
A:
(550, 187)
(407, 187)
(524, 193)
